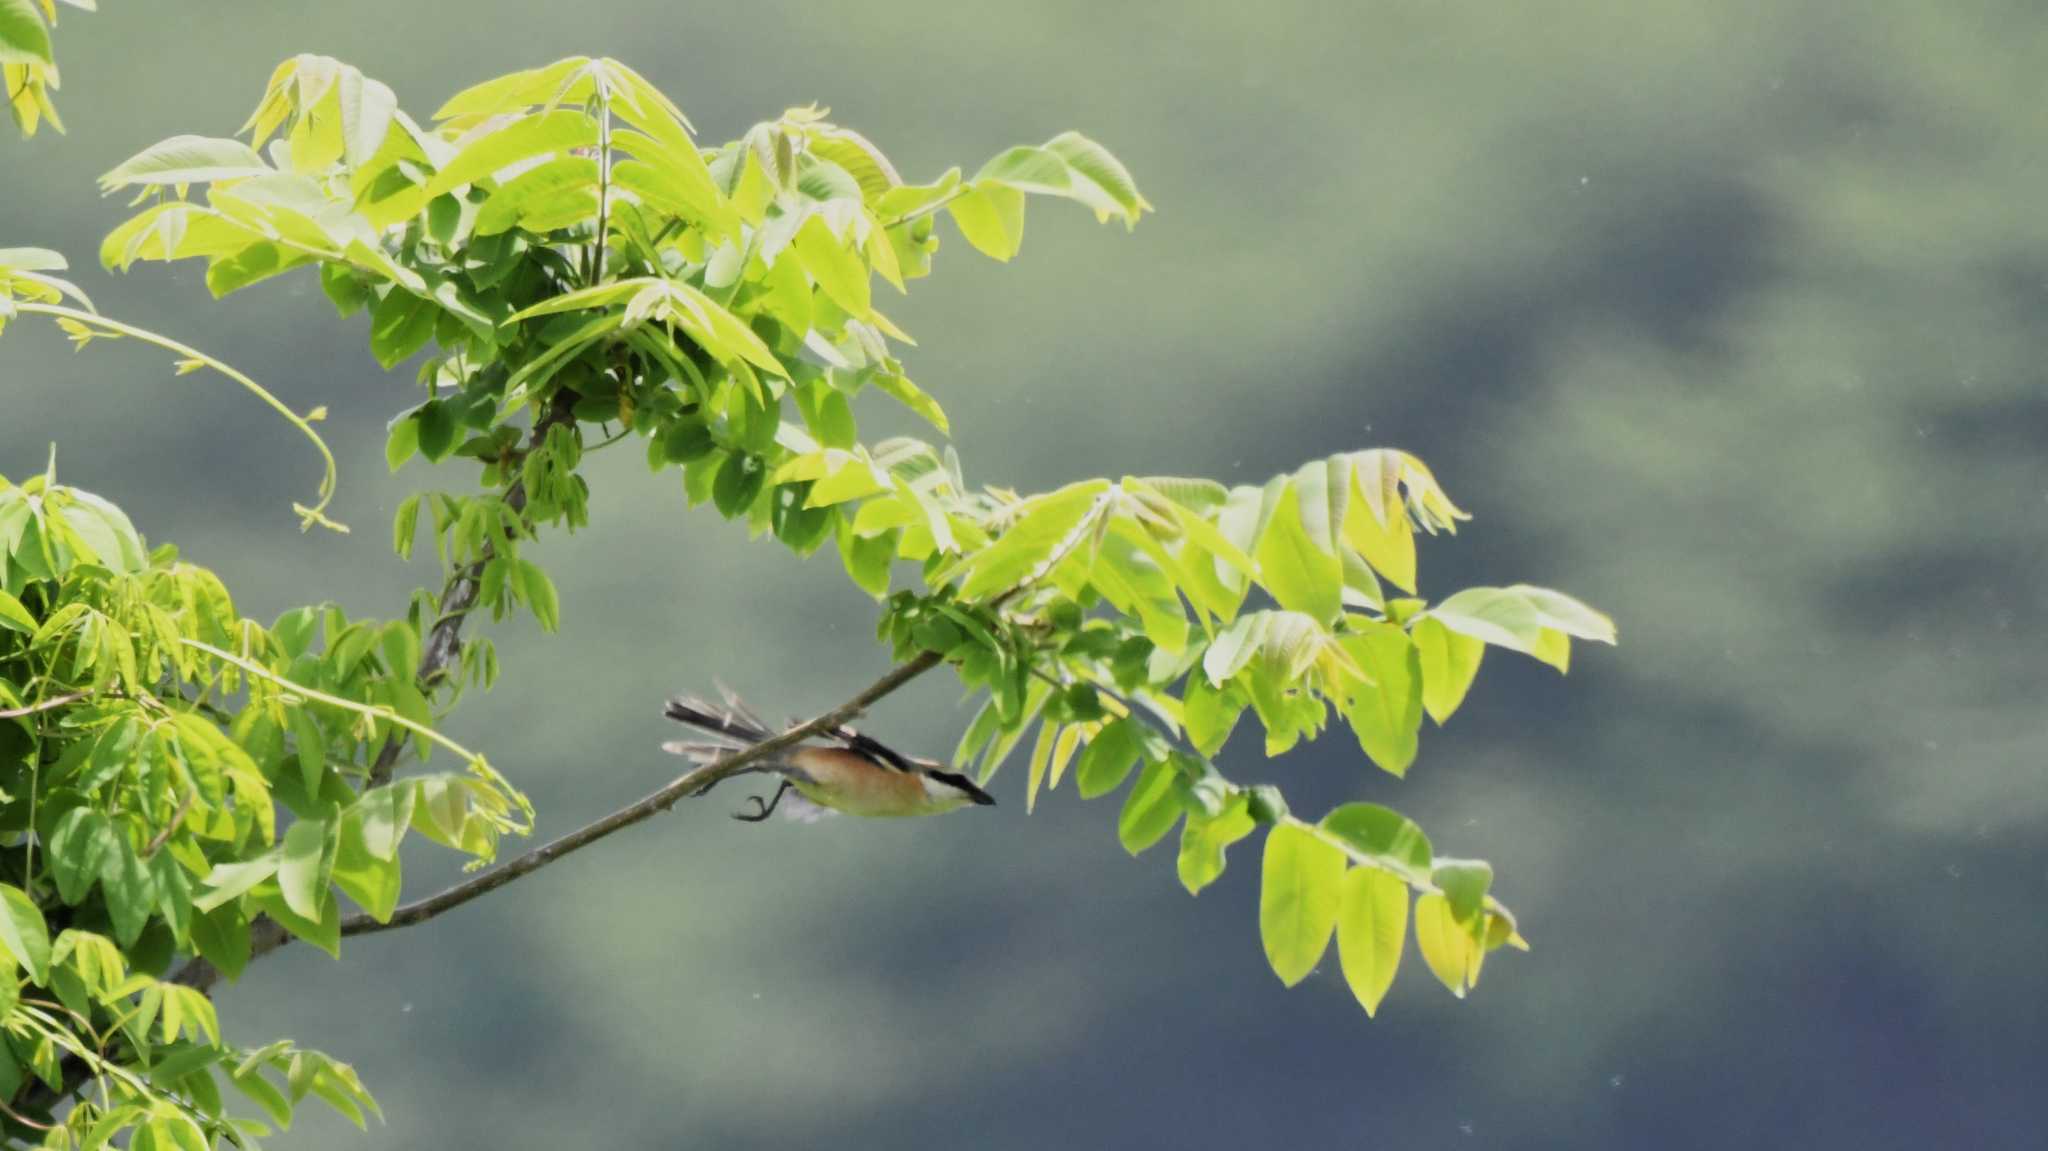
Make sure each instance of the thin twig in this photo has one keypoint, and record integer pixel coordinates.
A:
(44, 705)
(266, 935)
(156, 842)
(694, 783)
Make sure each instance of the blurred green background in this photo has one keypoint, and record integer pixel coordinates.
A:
(1728, 318)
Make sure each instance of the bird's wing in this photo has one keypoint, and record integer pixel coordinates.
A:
(870, 748)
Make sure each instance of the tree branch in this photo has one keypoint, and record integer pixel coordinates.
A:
(267, 935)
(458, 596)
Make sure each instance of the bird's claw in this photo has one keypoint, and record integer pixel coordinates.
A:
(763, 808)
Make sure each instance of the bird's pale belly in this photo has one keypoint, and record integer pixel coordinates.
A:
(845, 782)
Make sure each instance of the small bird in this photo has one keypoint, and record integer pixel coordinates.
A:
(859, 776)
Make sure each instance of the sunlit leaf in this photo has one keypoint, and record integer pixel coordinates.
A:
(1299, 900)
(1372, 924)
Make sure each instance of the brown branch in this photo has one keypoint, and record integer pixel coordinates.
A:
(46, 705)
(458, 596)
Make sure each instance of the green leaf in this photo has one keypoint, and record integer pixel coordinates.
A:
(229, 881)
(1050, 525)
(23, 39)
(1299, 900)
(323, 931)
(1450, 662)
(1027, 169)
(1554, 609)
(13, 616)
(1210, 712)
(173, 893)
(302, 875)
(1386, 714)
(541, 596)
(1382, 837)
(262, 1092)
(1204, 839)
(222, 937)
(78, 848)
(129, 888)
(1302, 576)
(1464, 883)
(402, 442)
(552, 195)
(867, 558)
(1372, 923)
(1094, 169)
(1151, 809)
(1502, 617)
(840, 274)
(311, 748)
(187, 160)
(1448, 948)
(371, 879)
(1107, 759)
(991, 216)
(523, 139)
(1376, 526)
(23, 933)
(898, 387)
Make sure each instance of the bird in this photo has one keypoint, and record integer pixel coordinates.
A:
(854, 773)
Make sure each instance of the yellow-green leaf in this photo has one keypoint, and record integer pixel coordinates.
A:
(1301, 576)
(991, 216)
(1450, 950)
(1298, 900)
(1450, 662)
(839, 272)
(1372, 924)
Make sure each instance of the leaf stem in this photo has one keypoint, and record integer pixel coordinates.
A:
(308, 516)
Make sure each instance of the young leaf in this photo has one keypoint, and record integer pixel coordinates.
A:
(23, 933)
(1450, 662)
(1151, 809)
(1447, 946)
(187, 160)
(1301, 575)
(1108, 759)
(991, 216)
(129, 888)
(1024, 554)
(1383, 838)
(1387, 714)
(1372, 922)
(1298, 900)
(1203, 840)
(302, 874)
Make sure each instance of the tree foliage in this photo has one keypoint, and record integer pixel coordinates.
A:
(573, 270)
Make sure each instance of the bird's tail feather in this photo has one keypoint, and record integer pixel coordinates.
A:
(732, 722)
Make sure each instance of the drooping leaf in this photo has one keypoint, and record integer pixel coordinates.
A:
(991, 216)
(1299, 900)
(1372, 924)
(1203, 840)
(303, 871)
(1151, 809)
(1387, 714)
(1446, 945)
